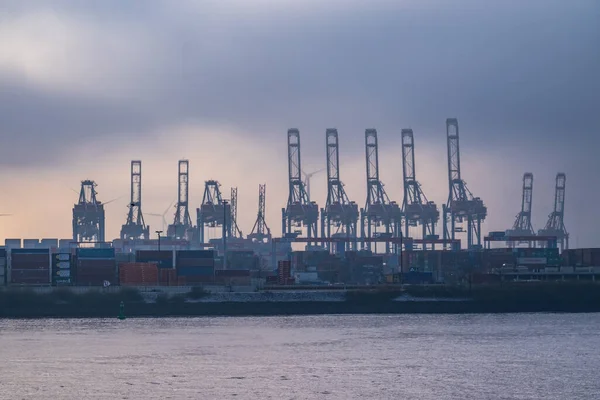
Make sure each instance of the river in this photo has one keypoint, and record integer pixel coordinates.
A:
(517, 356)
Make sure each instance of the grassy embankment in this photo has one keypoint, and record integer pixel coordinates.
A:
(525, 297)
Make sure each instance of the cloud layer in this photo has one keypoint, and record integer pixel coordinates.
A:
(219, 82)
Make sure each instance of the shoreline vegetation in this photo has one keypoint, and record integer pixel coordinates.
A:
(440, 299)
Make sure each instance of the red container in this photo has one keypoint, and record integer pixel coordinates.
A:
(144, 274)
(19, 275)
(30, 265)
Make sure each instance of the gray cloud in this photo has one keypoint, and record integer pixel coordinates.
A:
(521, 77)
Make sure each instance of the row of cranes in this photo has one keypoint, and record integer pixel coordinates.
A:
(555, 226)
(215, 211)
(341, 217)
(380, 216)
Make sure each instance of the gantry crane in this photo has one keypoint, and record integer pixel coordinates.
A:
(462, 205)
(260, 230)
(88, 215)
(339, 212)
(182, 227)
(214, 210)
(135, 227)
(300, 211)
(416, 208)
(556, 224)
(522, 226)
(379, 210)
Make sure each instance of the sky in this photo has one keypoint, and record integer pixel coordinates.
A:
(85, 87)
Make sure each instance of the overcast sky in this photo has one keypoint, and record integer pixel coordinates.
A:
(85, 88)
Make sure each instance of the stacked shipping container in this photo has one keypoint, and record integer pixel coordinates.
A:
(3, 268)
(163, 258)
(138, 274)
(95, 266)
(195, 266)
(30, 266)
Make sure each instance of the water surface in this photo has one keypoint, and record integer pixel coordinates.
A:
(518, 356)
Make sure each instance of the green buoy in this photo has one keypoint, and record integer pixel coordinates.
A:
(122, 311)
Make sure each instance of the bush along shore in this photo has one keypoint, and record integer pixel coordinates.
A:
(506, 298)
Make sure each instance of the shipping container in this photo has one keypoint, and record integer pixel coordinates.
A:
(49, 243)
(138, 274)
(96, 262)
(195, 271)
(194, 254)
(34, 277)
(91, 253)
(12, 243)
(66, 244)
(29, 251)
(195, 262)
(232, 272)
(163, 258)
(31, 243)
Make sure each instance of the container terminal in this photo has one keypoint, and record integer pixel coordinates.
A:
(382, 242)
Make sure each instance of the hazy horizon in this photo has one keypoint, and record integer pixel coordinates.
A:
(88, 88)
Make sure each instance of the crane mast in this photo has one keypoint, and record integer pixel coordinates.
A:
(379, 210)
(339, 213)
(235, 230)
(523, 225)
(135, 227)
(416, 208)
(556, 225)
(214, 211)
(182, 227)
(461, 204)
(300, 211)
(88, 215)
(260, 231)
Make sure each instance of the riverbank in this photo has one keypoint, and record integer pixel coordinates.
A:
(507, 298)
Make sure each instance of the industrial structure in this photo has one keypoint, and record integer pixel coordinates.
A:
(135, 227)
(380, 219)
(339, 213)
(88, 215)
(236, 232)
(260, 231)
(461, 206)
(379, 211)
(300, 211)
(556, 225)
(214, 211)
(416, 208)
(182, 227)
(522, 225)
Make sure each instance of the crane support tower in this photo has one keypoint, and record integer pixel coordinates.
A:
(339, 212)
(522, 226)
(300, 211)
(88, 215)
(556, 224)
(235, 230)
(213, 212)
(416, 208)
(379, 211)
(260, 230)
(135, 228)
(461, 205)
(182, 227)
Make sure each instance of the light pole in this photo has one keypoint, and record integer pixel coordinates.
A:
(158, 233)
(225, 234)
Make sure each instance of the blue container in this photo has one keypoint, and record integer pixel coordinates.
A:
(30, 251)
(95, 253)
(195, 254)
(196, 271)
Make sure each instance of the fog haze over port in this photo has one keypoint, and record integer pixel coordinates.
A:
(85, 88)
